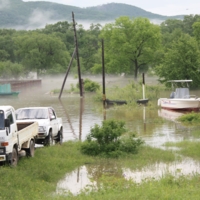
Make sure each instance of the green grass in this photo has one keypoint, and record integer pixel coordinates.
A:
(190, 119)
(131, 92)
(147, 156)
(36, 178)
(183, 188)
(187, 148)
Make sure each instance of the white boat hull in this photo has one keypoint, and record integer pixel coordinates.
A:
(179, 104)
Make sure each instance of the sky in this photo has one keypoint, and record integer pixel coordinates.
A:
(162, 7)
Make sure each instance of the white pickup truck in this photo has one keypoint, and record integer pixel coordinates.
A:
(16, 139)
(50, 126)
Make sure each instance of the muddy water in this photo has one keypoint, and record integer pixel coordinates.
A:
(80, 114)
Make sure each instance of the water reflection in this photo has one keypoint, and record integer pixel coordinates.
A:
(186, 167)
(169, 114)
(89, 176)
(75, 182)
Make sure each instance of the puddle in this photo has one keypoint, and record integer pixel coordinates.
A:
(186, 167)
(83, 177)
(75, 182)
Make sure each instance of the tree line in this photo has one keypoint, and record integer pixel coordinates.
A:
(170, 50)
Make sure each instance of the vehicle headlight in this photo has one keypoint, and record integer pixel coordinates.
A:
(2, 150)
(41, 129)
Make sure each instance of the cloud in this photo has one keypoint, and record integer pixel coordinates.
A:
(4, 4)
(40, 18)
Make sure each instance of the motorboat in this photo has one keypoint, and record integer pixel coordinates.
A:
(180, 98)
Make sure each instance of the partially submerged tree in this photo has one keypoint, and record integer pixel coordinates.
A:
(130, 44)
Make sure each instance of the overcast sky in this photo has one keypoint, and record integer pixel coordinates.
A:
(162, 7)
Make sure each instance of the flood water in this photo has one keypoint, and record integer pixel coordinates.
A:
(80, 114)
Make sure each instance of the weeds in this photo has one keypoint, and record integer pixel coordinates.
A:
(190, 118)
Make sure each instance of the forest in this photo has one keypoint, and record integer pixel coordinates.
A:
(132, 46)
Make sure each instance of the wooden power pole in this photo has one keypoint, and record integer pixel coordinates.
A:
(77, 57)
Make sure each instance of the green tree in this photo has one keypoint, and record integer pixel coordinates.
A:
(11, 70)
(169, 25)
(181, 61)
(7, 45)
(38, 51)
(130, 44)
(188, 22)
(89, 45)
(196, 31)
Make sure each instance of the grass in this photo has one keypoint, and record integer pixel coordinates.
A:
(36, 178)
(190, 119)
(131, 92)
(148, 155)
(183, 188)
(187, 148)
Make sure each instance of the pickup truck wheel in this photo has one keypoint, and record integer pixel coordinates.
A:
(48, 140)
(31, 151)
(14, 158)
(60, 136)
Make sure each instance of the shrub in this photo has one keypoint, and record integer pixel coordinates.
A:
(90, 86)
(107, 140)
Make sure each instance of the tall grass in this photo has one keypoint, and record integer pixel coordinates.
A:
(131, 92)
(187, 148)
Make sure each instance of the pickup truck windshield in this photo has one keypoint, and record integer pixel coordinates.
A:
(2, 124)
(31, 114)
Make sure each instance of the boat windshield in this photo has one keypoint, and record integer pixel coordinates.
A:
(182, 93)
(28, 113)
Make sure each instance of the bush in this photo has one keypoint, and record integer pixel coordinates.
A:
(107, 140)
(90, 86)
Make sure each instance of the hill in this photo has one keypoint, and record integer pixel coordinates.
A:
(29, 15)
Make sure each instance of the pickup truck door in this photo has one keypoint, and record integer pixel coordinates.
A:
(11, 131)
(53, 122)
(13, 127)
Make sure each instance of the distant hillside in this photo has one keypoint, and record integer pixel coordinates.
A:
(29, 15)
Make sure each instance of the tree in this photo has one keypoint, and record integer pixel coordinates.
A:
(188, 21)
(38, 51)
(89, 45)
(130, 44)
(196, 31)
(6, 46)
(169, 25)
(181, 61)
(9, 69)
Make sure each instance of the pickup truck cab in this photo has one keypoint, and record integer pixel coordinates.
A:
(50, 126)
(16, 139)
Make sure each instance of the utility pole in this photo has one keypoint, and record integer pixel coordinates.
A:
(77, 57)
